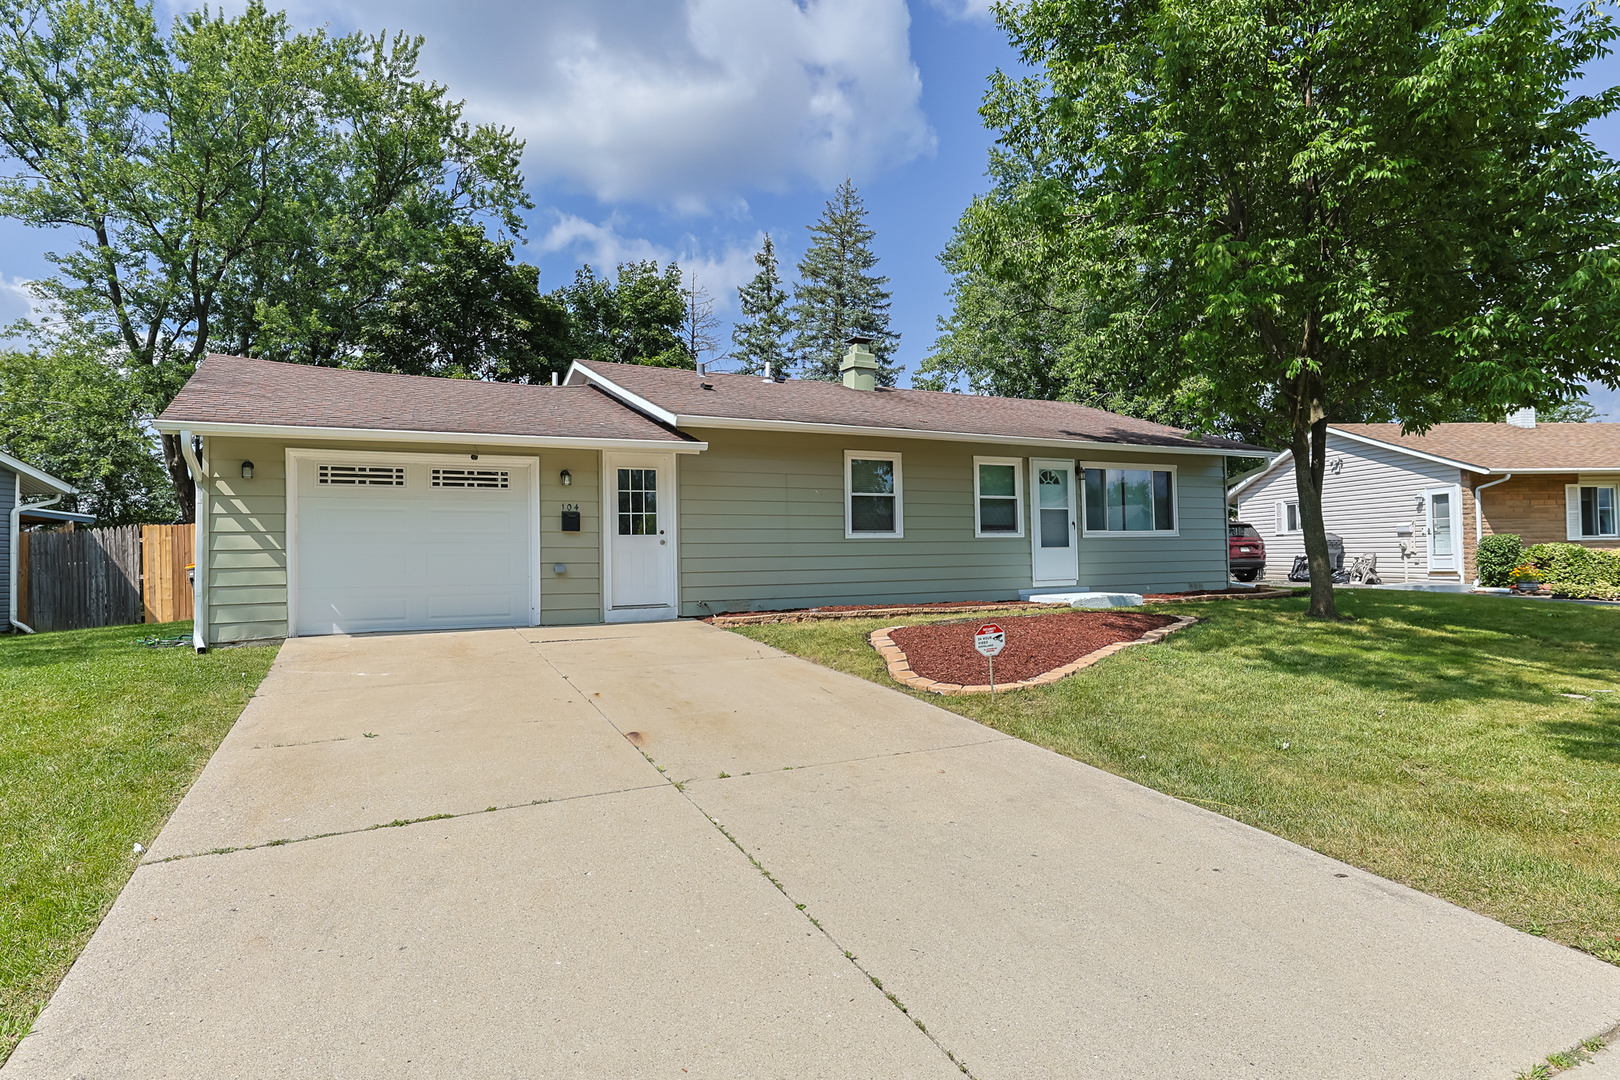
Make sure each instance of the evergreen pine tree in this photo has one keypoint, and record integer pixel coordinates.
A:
(760, 336)
(836, 297)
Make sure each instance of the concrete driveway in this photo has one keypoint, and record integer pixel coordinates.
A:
(666, 851)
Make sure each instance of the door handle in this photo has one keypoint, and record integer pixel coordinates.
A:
(661, 543)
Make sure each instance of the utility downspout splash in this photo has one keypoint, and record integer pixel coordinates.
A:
(17, 508)
(1479, 520)
(199, 583)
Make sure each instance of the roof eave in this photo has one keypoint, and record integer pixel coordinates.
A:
(734, 423)
(43, 482)
(458, 438)
(1398, 448)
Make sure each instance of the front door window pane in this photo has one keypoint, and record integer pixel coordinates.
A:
(1054, 498)
(638, 502)
(1440, 519)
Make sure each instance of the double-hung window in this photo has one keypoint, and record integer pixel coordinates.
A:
(1592, 511)
(1141, 501)
(873, 503)
(1288, 520)
(998, 499)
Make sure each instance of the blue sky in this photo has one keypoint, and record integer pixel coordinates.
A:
(688, 128)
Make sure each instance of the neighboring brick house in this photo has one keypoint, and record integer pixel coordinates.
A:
(1412, 499)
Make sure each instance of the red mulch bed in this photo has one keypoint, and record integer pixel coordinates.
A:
(1036, 644)
(942, 606)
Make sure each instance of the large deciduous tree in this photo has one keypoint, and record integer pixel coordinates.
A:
(836, 296)
(234, 185)
(635, 318)
(1331, 207)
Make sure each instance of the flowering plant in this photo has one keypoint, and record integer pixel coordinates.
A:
(1523, 573)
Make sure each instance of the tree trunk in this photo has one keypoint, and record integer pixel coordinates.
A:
(1309, 447)
(185, 491)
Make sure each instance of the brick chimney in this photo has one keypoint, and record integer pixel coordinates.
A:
(860, 366)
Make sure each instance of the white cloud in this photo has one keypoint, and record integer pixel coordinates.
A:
(975, 10)
(604, 247)
(17, 301)
(682, 104)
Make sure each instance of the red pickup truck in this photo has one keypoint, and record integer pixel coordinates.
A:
(1245, 551)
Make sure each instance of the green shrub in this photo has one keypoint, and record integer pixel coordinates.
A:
(1496, 556)
(1573, 570)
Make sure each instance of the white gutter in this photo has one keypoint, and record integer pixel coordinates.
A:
(199, 576)
(1479, 522)
(17, 508)
(1089, 445)
(458, 438)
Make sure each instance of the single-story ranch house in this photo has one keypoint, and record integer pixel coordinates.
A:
(341, 501)
(1422, 503)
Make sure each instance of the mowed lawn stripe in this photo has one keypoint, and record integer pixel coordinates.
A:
(1428, 740)
(99, 740)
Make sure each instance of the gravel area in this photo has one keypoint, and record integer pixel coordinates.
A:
(1036, 644)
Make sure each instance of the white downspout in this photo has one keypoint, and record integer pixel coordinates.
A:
(199, 579)
(16, 531)
(1479, 522)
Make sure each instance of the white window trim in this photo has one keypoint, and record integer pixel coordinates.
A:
(899, 496)
(1018, 497)
(1572, 509)
(1281, 514)
(1118, 534)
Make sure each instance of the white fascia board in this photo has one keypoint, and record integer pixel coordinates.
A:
(1399, 449)
(1250, 481)
(457, 438)
(41, 478)
(1580, 469)
(635, 401)
(734, 423)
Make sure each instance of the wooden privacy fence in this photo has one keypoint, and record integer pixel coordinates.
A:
(165, 589)
(79, 578)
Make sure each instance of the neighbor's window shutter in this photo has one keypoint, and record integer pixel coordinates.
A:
(1572, 511)
(1282, 522)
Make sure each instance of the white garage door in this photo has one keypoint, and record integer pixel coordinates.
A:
(388, 543)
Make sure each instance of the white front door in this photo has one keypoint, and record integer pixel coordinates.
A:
(640, 519)
(1057, 554)
(1445, 528)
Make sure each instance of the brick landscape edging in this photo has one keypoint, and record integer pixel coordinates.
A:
(900, 669)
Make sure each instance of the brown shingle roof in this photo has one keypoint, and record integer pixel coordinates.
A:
(796, 401)
(1503, 447)
(239, 390)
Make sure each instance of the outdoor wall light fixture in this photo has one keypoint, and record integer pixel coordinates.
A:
(247, 470)
(567, 478)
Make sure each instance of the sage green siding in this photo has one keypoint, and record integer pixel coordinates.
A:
(762, 527)
(575, 596)
(247, 534)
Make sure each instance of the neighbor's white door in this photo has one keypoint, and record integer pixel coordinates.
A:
(1057, 554)
(640, 519)
(391, 543)
(1445, 528)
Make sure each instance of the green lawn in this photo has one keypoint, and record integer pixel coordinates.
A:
(99, 739)
(1425, 741)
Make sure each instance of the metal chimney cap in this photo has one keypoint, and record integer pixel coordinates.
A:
(859, 339)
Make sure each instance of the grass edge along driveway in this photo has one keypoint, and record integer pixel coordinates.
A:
(1429, 741)
(99, 740)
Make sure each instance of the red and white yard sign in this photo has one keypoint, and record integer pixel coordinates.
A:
(989, 639)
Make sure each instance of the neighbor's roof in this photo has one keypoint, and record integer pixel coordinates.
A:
(678, 397)
(1502, 448)
(231, 392)
(36, 481)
